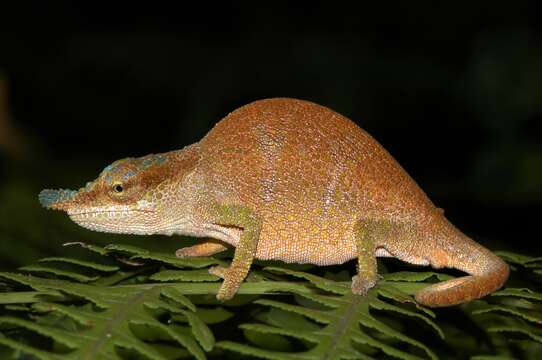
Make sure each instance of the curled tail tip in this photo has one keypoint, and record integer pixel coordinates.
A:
(501, 273)
(467, 288)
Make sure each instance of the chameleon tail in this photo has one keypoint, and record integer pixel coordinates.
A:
(487, 273)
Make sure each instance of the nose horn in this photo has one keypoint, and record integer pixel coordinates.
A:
(54, 199)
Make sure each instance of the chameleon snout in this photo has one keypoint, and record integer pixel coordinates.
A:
(56, 199)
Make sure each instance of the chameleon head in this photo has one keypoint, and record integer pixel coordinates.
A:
(131, 195)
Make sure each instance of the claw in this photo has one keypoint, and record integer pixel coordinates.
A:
(220, 271)
(361, 285)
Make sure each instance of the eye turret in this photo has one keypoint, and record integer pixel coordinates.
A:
(118, 188)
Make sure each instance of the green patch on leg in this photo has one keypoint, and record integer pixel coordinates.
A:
(245, 250)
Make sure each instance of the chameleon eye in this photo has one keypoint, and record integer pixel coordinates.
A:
(118, 188)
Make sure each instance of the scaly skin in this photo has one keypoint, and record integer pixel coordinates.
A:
(289, 180)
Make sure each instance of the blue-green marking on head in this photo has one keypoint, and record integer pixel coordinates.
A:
(152, 160)
(53, 199)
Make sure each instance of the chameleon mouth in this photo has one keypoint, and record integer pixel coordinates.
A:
(125, 221)
(108, 213)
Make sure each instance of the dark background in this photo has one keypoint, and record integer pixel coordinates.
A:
(453, 91)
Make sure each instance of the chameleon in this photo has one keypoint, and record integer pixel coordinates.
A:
(289, 180)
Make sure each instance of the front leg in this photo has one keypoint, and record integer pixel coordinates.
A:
(206, 247)
(245, 250)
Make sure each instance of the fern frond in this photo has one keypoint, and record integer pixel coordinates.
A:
(132, 303)
(347, 322)
(106, 315)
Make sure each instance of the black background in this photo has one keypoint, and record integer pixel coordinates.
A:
(453, 91)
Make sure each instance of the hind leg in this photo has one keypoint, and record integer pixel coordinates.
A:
(367, 233)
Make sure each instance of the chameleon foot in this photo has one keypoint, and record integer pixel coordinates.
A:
(219, 271)
(361, 285)
(231, 283)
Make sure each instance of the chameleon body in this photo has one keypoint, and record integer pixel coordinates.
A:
(288, 180)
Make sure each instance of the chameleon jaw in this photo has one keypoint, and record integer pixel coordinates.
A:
(138, 218)
(117, 211)
(120, 219)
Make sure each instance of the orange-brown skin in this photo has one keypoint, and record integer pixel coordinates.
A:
(291, 180)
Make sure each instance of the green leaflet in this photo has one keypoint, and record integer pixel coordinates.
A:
(201, 332)
(138, 253)
(208, 316)
(415, 276)
(130, 302)
(79, 314)
(83, 263)
(198, 275)
(524, 260)
(59, 272)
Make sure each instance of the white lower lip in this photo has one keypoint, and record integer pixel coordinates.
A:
(109, 213)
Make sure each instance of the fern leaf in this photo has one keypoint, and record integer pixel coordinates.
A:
(344, 318)
(27, 349)
(132, 303)
(79, 315)
(82, 263)
(122, 307)
(138, 253)
(66, 338)
(201, 331)
(59, 272)
(184, 275)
